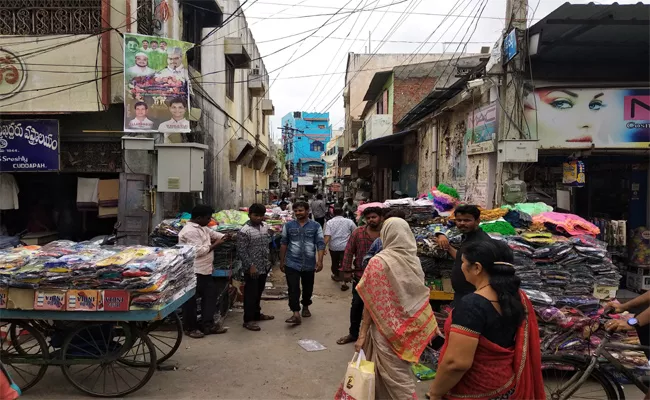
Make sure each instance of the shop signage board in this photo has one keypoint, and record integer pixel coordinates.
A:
(305, 180)
(13, 74)
(29, 145)
(335, 187)
(481, 129)
(156, 84)
(510, 46)
(574, 118)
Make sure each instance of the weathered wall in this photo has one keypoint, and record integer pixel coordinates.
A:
(427, 166)
(470, 175)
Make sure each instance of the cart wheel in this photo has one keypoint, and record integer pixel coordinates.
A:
(24, 352)
(93, 359)
(166, 336)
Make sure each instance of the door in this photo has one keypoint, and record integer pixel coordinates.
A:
(133, 209)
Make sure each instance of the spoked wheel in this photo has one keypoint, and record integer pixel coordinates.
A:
(558, 371)
(93, 359)
(166, 336)
(24, 352)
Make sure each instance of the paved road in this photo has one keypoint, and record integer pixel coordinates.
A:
(250, 365)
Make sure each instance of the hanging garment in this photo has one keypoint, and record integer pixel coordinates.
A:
(8, 192)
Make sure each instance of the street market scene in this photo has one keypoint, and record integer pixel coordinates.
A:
(452, 200)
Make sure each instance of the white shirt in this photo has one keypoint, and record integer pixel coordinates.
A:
(179, 72)
(172, 126)
(137, 124)
(201, 237)
(140, 71)
(339, 229)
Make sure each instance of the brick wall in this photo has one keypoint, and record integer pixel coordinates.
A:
(408, 93)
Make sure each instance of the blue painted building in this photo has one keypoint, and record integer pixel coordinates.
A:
(304, 137)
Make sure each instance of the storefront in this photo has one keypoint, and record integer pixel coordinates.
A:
(57, 181)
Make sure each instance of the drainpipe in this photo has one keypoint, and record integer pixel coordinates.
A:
(106, 53)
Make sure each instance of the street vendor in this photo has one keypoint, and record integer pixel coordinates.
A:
(467, 218)
(196, 233)
(640, 323)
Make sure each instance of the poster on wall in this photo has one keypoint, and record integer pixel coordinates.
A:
(29, 145)
(589, 117)
(156, 85)
(481, 129)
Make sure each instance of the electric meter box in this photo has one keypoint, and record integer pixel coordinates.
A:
(517, 151)
(181, 167)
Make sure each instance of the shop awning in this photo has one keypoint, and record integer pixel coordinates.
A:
(593, 31)
(394, 140)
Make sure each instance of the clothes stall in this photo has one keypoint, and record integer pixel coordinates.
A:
(82, 306)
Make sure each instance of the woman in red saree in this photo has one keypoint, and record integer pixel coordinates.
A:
(398, 322)
(492, 347)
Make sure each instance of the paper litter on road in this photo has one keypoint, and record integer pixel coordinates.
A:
(311, 345)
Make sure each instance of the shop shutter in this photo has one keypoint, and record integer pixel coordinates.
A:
(133, 207)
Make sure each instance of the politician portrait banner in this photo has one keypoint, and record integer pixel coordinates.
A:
(156, 84)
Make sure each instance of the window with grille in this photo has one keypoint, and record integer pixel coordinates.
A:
(50, 17)
(316, 169)
(230, 80)
(316, 146)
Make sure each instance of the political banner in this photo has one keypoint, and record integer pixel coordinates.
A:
(156, 85)
(29, 145)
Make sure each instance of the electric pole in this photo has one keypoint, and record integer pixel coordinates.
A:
(511, 121)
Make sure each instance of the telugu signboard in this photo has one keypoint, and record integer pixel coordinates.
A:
(562, 117)
(156, 85)
(481, 129)
(29, 145)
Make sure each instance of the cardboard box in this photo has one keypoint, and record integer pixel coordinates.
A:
(113, 300)
(20, 299)
(4, 293)
(53, 300)
(605, 292)
(82, 300)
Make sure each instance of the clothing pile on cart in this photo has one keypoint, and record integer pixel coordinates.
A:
(152, 276)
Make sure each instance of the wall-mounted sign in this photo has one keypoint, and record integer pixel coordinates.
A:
(305, 180)
(510, 46)
(28, 145)
(565, 117)
(13, 74)
(156, 85)
(335, 187)
(481, 129)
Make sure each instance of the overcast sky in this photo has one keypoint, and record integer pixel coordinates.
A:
(393, 30)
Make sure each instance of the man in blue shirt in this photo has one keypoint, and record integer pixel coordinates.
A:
(301, 256)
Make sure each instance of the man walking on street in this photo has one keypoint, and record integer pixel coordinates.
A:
(301, 255)
(196, 233)
(358, 245)
(337, 234)
(319, 210)
(253, 251)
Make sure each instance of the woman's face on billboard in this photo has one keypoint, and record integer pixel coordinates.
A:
(573, 115)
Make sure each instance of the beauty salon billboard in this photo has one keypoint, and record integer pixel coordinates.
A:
(564, 117)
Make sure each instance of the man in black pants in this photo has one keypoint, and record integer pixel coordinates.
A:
(196, 233)
(319, 209)
(253, 250)
(301, 256)
(337, 234)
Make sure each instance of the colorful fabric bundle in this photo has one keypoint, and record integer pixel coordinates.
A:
(444, 197)
(530, 208)
(567, 223)
(492, 215)
(231, 217)
(501, 227)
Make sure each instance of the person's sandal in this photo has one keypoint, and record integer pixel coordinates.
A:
(305, 312)
(294, 320)
(344, 287)
(264, 317)
(252, 327)
(195, 334)
(346, 339)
